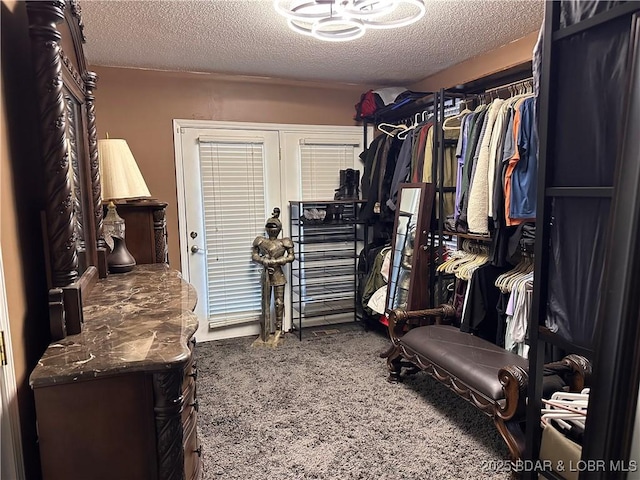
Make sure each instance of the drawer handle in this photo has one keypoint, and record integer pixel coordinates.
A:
(194, 374)
(198, 451)
(195, 406)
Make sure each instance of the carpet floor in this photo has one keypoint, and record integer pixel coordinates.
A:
(321, 408)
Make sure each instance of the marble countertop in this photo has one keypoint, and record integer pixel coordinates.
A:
(135, 321)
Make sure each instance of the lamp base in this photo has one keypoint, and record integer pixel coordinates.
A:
(120, 260)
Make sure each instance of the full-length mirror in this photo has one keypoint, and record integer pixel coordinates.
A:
(72, 210)
(408, 274)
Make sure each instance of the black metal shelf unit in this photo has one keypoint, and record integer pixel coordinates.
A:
(323, 274)
(434, 104)
(437, 104)
(588, 219)
(443, 100)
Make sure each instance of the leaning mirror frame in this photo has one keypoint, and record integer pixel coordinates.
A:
(72, 211)
(408, 275)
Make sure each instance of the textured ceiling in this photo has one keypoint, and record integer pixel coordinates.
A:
(248, 37)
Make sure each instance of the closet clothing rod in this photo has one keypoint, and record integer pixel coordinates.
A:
(390, 114)
(519, 83)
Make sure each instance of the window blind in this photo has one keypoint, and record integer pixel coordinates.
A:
(233, 196)
(320, 168)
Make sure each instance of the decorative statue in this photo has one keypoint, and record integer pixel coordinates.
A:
(272, 253)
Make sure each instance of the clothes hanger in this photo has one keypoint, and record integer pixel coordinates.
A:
(447, 122)
(456, 268)
(463, 257)
(452, 257)
(403, 134)
(502, 280)
(574, 406)
(460, 271)
(512, 281)
(564, 419)
(521, 272)
(456, 259)
(393, 132)
(481, 259)
(522, 91)
(521, 284)
(566, 408)
(416, 122)
(454, 122)
(457, 262)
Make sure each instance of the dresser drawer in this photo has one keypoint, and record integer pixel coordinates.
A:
(192, 449)
(191, 367)
(190, 401)
(190, 373)
(99, 429)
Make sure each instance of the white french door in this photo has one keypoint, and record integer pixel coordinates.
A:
(231, 180)
(230, 177)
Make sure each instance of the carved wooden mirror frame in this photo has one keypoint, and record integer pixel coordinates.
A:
(72, 210)
(416, 296)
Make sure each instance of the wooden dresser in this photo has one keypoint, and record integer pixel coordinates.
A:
(118, 401)
(145, 230)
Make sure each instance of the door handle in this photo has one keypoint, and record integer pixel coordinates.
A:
(196, 249)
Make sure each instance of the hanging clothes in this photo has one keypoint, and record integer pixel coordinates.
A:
(380, 175)
(481, 316)
(467, 167)
(524, 176)
(495, 149)
(461, 150)
(401, 171)
(418, 165)
(448, 177)
(368, 158)
(478, 211)
(511, 163)
(517, 312)
(376, 278)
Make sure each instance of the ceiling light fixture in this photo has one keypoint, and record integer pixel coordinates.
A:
(343, 20)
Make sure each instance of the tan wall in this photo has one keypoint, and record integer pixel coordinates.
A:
(140, 105)
(20, 236)
(509, 55)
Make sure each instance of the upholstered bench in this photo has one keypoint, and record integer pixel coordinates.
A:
(489, 377)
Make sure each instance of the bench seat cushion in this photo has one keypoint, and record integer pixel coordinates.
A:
(471, 359)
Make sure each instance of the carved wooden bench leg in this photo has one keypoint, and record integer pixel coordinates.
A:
(394, 364)
(512, 434)
(509, 415)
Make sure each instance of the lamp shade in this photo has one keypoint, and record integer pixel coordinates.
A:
(119, 172)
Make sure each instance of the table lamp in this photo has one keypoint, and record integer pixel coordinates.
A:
(121, 180)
